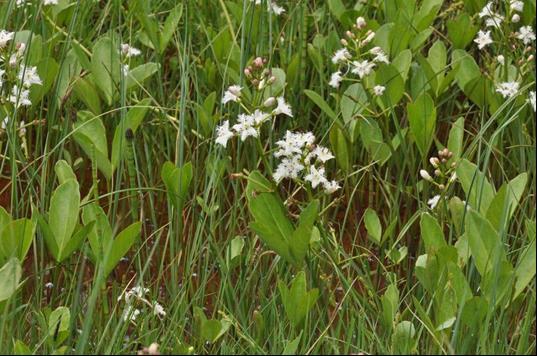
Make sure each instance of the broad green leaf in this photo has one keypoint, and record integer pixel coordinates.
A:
(170, 26)
(403, 338)
(136, 76)
(292, 346)
(323, 105)
(461, 30)
(86, 91)
(271, 223)
(353, 102)
(390, 305)
(177, 181)
(106, 67)
(506, 201)
(455, 140)
(431, 234)
(121, 245)
(90, 134)
(389, 77)
(58, 324)
(101, 234)
(341, 147)
(479, 192)
(10, 276)
(63, 213)
(75, 242)
(297, 300)
(485, 244)
(16, 238)
(525, 269)
(422, 120)
(300, 240)
(64, 172)
(373, 226)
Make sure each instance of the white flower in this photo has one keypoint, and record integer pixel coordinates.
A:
(50, 2)
(245, 127)
(362, 68)
(275, 8)
(517, 5)
(288, 168)
(335, 79)
(495, 20)
(341, 55)
(378, 90)
(331, 186)
(433, 202)
(258, 117)
(531, 99)
(425, 175)
(131, 313)
(233, 93)
(526, 35)
(283, 108)
(315, 177)
(323, 154)
(483, 39)
(379, 54)
(20, 3)
(487, 10)
(508, 89)
(49, 285)
(28, 76)
(129, 51)
(136, 292)
(20, 97)
(501, 59)
(223, 134)
(294, 143)
(158, 310)
(5, 37)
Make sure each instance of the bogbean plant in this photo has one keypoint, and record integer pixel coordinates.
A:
(390, 216)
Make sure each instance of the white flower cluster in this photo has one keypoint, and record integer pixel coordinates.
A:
(21, 3)
(14, 74)
(271, 6)
(248, 125)
(135, 298)
(493, 20)
(301, 156)
(356, 57)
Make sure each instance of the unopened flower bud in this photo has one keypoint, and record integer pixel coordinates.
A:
(425, 175)
(360, 22)
(515, 18)
(344, 42)
(258, 62)
(441, 187)
(437, 172)
(434, 161)
(269, 102)
(247, 72)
